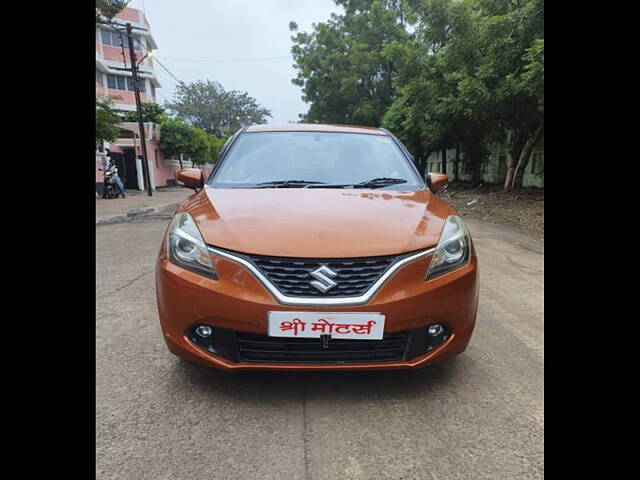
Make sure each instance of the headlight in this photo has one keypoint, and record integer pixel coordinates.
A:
(186, 248)
(453, 249)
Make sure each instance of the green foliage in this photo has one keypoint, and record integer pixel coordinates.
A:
(438, 101)
(513, 62)
(434, 72)
(151, 112)
(109, 8)
(199, 146)
(530, 82)
(178, 137)
(340, 65)
(107, 120)
(175, 138)
(214, 146)
(207, 105)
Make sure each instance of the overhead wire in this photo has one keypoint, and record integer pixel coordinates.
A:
(229, 60)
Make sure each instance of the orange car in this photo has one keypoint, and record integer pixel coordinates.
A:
(316, 247)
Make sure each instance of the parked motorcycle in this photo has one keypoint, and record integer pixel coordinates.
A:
(109, 185)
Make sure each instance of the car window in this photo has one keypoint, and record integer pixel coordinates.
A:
(334, 158)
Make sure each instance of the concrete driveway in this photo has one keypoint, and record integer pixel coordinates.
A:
(478, 416)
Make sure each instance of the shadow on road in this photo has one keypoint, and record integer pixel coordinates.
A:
(249, 386)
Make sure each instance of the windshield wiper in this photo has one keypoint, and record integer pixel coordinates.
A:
(286, 183)
(373, 183)
(380, 182)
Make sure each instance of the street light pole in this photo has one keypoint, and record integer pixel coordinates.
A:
(136, 89)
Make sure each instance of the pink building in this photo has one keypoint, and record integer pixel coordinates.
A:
(113, 79)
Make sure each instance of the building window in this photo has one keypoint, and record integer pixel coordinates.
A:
(153, 91)
(99, 77)
(118, 39)
(156, 152)
(106, 36)
(121, 82)
(115, 39)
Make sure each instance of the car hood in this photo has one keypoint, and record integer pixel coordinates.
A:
(318, 223)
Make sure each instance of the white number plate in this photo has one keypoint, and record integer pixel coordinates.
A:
(361, 326)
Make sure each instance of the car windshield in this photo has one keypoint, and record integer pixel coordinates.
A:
(315, 160)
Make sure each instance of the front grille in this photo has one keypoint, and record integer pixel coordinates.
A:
(292, 276)
(261, 348)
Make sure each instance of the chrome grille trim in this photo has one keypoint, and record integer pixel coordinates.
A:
(314, 301)
(351, 277)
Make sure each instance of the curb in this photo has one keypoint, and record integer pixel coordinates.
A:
(137, 213)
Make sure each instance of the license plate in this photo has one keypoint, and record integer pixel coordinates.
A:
(355, 326)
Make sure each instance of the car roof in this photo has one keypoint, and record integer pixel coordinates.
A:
(313, 127)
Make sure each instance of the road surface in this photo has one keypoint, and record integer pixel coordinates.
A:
(477, 416)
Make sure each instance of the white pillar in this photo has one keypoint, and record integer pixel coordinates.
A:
(152, 174)
(140, 174)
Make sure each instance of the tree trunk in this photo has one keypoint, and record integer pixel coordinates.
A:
(473, 156)
(525, 155)
(444, 157)
(510, 171)
(476, 166)
(419, 158)
(457, 164)
(422, 164)
(513, 154)
(181, 167)
(425, 156)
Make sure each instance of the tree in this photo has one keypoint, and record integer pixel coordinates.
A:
(340, 67)
(437, 73)
(439, 102)
(109, 8)
(151, 112)
(472, 71)
(107, 120)
(199, 146)
(397, 120)
(178, 137)
(207, 105)
(175, 138)
(529, 86)
(214, 146)
(511, 36)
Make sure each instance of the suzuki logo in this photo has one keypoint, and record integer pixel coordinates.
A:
(323, 281)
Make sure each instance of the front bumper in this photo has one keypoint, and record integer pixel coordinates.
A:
(238, 302)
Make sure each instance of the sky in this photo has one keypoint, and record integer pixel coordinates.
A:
(221, 40)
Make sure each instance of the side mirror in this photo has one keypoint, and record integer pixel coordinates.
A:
(437, 181)
(192, 178)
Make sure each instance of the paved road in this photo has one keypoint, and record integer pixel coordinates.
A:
(478, 416)
(135, 200)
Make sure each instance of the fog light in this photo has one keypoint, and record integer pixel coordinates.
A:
(435, 330)
(204, 331)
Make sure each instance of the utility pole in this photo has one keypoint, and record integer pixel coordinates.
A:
(136, 88)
